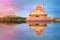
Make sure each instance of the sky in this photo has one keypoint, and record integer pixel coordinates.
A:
(24, 7)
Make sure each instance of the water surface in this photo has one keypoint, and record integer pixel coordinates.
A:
(30, 31)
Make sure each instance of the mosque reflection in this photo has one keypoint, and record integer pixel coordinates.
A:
(10, 29)
(38, 27)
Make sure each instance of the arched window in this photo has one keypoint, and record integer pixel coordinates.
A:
(30, 15)
(36, 16)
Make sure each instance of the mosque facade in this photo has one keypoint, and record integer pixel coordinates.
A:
(38, 15)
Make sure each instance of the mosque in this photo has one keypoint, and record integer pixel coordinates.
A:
(38, 15)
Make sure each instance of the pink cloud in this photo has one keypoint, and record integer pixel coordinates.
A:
(5, 2)
(6, 7)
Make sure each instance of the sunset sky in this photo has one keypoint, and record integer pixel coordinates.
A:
(24, 7)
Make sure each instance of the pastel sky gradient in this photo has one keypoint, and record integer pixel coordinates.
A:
(24, 7)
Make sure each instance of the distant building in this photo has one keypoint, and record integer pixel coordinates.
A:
(38, 15)
(12, 16)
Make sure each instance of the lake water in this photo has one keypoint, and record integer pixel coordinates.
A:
(30, 31)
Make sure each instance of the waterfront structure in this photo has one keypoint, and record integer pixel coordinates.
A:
(38, 15)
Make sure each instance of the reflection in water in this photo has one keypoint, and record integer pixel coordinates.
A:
(29, 30)
(38, 27)
(7, 31)
(11, 25)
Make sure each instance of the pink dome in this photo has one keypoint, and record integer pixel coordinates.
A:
(39, 8)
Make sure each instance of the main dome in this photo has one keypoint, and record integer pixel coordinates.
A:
(38, 10)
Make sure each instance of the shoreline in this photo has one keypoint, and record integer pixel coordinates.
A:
(24, 20)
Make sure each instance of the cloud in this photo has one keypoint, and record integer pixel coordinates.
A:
(6, 7)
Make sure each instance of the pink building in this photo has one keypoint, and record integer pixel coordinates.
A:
(38, 15)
